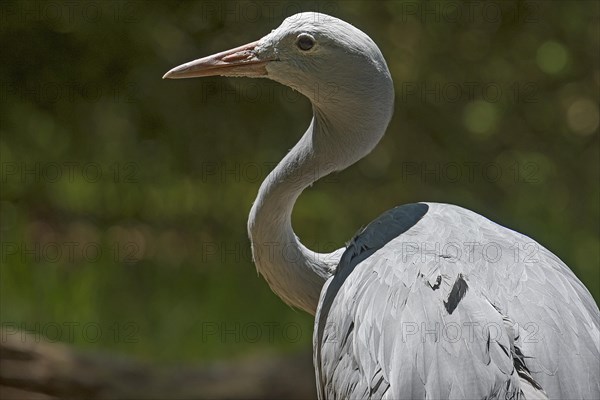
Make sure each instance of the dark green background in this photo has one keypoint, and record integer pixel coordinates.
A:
(125, 197)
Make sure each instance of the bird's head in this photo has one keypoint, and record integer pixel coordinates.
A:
(322, 57)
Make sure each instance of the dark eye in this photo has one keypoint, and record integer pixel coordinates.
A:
(305, 42)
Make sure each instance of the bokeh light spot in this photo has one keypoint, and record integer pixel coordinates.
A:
(552, 57)
(480, 118)
(583, 117)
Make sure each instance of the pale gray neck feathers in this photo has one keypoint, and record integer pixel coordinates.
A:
(337, 137)
(295, 273)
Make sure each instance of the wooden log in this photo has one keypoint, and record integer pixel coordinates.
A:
(36, 369)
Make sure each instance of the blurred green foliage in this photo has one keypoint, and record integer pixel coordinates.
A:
(125, 197)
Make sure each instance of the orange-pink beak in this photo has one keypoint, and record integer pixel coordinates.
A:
(240, 61)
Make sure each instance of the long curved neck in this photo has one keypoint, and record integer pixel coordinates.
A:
(295, 273)
(340, 134)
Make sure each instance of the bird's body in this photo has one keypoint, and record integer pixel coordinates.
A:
(446, 308)
(429, 300)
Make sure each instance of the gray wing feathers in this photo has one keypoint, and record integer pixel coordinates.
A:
(400, 327)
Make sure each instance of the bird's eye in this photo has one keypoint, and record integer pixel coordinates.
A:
(305, 41)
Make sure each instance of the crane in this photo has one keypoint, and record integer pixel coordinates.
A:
(429, 300)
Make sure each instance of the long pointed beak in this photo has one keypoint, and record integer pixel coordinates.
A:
(241, 61)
